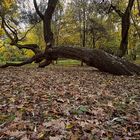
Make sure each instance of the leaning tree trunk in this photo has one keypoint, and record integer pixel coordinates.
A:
(92, 57)
(95, 58)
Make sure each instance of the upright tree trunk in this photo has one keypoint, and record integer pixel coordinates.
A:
(48, 35)
(138, 3)
(93, 41)
(125, 23)
(84, 29)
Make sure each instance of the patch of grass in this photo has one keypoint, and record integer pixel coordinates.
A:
(60, 63)
(6, 118)
(137, 61)
(68, 62)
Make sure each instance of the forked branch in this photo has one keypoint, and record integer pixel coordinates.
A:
(119, 12)
(37, 10)
(13, 35)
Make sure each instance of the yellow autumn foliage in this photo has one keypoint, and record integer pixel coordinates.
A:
(1, 32)
(31, 39)
(29, 53)
(7, 3)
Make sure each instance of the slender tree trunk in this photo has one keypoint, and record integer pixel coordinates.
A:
(138, 3)
(84, 29)
(93, 42)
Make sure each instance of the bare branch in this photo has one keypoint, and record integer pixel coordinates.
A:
(4, 28)
(135, 25)
(12, 28)
(14, 32)
(116, 10)
(28, 31)
(14, 37)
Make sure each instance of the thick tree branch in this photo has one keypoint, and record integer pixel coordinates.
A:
(36, 58)
(34, 47)
(45, 63)
(5, 30)
(12, 29)
(28, 61)
(37, 10)
(14, 32)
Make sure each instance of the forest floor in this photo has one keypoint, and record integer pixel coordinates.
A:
(72, 103)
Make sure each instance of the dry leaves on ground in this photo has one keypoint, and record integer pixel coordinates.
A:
(60, 103)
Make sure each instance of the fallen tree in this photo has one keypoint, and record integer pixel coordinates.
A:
(92, 57)
(96, 58)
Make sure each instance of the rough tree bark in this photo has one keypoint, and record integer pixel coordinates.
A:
(125, 25)
(125, 28)
(48, 35)
(96, 58)
(93, 57)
